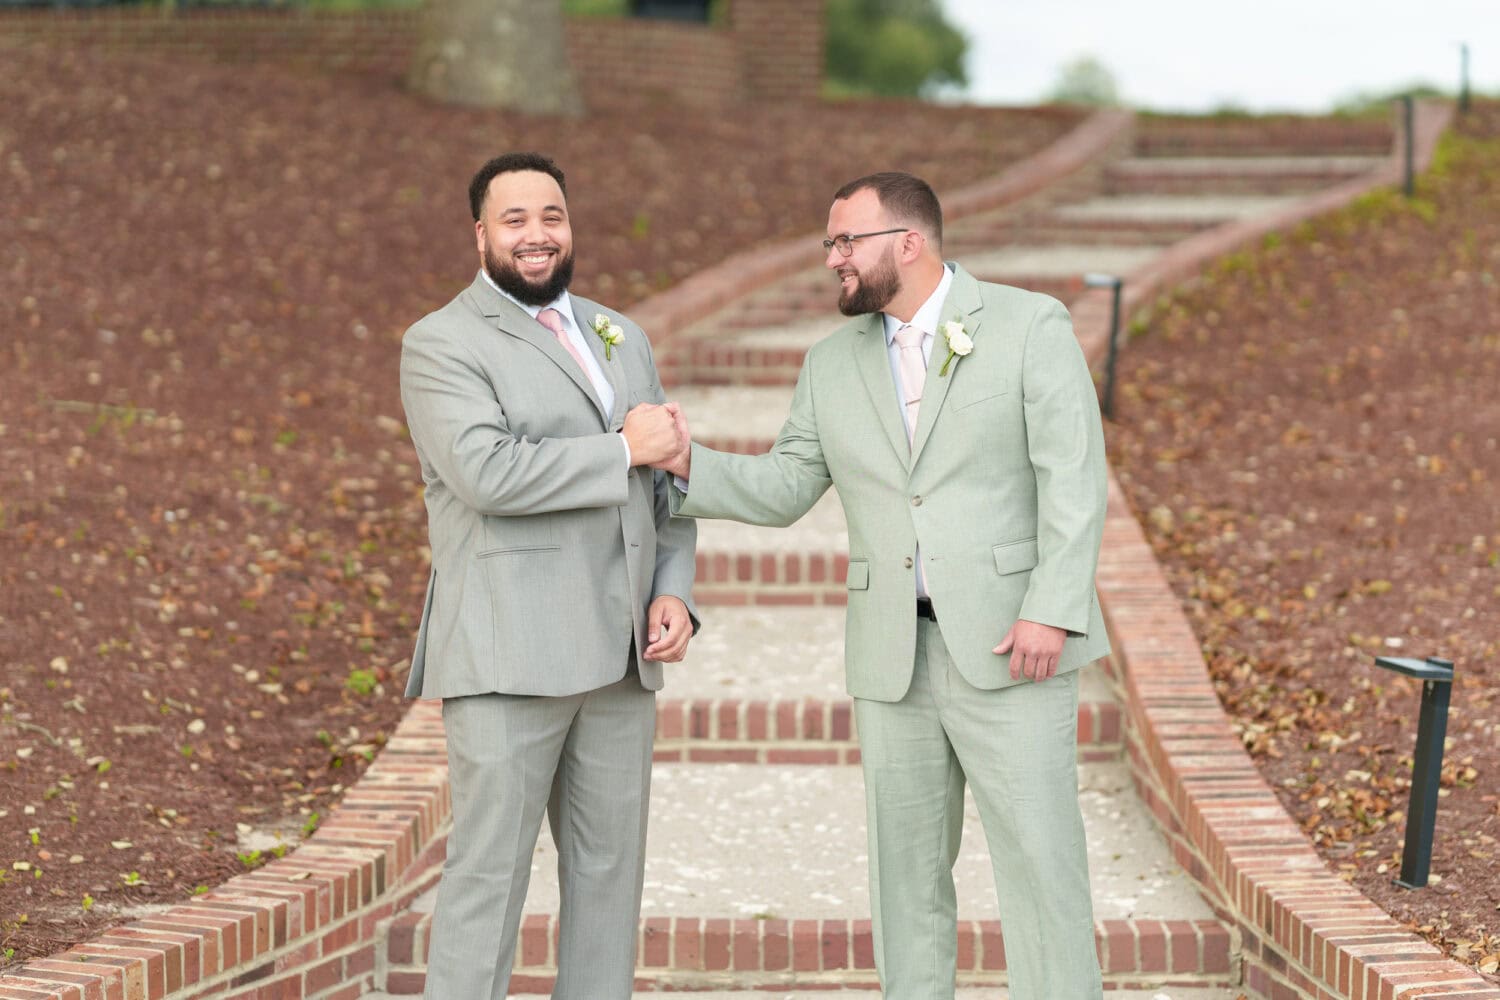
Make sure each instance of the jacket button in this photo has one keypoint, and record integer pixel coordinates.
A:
(907, 562)
(916, 501)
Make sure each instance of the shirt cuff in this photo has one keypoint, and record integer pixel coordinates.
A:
(628, 462)
(680, 483)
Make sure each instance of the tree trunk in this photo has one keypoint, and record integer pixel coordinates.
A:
(496, 54)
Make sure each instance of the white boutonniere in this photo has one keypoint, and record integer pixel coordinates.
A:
(609, 332)
(959, 344)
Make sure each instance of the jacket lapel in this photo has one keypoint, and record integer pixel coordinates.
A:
(511, 319)
(964, 304)
(874, 365)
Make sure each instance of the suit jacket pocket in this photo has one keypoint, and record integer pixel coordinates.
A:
(1015, 557)
(989, 392)
(516, 550)
(859, 574)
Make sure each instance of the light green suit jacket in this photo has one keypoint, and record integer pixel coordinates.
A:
(1003, 488)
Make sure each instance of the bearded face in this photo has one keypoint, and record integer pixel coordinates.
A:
(869, 290)
(531, 289)
(524, 237)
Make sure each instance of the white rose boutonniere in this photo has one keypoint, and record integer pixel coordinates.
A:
(959, 344)
(609, 332)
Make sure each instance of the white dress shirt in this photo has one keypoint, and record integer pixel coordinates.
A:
(926, 319)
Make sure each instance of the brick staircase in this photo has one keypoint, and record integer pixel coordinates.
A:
(756, 866)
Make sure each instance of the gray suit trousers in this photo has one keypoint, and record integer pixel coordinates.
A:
(585, 760)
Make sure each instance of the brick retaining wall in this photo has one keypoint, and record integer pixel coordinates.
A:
(756, 58)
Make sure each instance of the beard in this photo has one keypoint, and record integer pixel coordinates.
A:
(503, 272)
(875, 289)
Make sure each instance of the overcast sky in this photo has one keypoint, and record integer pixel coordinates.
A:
(1196, 55)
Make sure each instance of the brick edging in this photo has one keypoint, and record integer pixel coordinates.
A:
(812, 731)
(707, 291)
(307, 925)
(701, 952)
(1306, 933)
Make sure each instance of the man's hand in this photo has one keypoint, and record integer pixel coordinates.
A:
(651, 432)
(668, 629)
(1034, 649)
(681, 463)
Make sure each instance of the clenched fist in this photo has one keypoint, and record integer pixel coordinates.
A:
(651, 432)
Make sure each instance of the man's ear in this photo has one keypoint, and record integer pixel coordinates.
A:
(912, 243)
(479, 236)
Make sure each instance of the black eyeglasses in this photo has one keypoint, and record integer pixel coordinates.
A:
(845, 243)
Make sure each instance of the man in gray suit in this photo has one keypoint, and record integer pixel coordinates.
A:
(958, 422)
(559, 586)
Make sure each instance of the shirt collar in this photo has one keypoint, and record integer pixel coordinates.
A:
(562, 303)
(926, 317)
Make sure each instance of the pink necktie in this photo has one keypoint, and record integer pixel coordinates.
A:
(913, 368)
(552, 320)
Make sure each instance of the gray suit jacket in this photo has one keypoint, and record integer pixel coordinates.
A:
(546, 551)
(1003, 487)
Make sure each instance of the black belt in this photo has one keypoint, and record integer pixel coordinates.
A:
(924, 609)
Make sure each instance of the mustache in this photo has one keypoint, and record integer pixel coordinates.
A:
(539, 248)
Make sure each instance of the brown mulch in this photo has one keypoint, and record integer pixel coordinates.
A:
(1311, 437)
(210, 517)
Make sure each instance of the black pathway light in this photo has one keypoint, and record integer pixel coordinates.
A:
(1436, 676)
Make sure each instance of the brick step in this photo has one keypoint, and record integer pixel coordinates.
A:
(772, 579)
(1235, 174)
(736, 445)
(767, 347)
(796, 991)
(813, 731)
(1262, 137)
(724, 364)
(687, 954)
(756, 876)
(780, 311)
(1061, 230)
(1041, 266)
(766, 685)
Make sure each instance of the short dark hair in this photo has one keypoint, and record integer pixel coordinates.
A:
(908, 199)
(479, 187)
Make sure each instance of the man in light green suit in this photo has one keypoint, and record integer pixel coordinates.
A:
(559, 586)
(958, 422)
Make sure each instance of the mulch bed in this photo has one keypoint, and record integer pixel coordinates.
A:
(212, 529)
(1311, 437)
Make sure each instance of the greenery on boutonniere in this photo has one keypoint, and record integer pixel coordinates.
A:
(959, 343)
(609, 331)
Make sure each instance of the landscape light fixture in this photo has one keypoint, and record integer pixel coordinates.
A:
(1096, 280)
(1463, 76)
(1436, 676)
(1409, 118)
